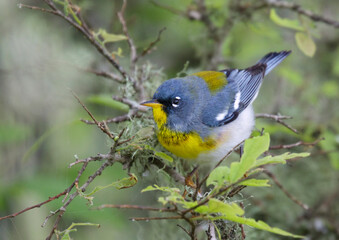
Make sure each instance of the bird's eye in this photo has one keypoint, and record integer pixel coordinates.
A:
(176, 101)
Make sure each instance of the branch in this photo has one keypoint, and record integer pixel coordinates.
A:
(169, 170)
(34, 206)
(278, 119)
(299, 143)
(297, 8)
(82, 27)
(155, 218)
(101, 125)
(125, 30)
(217, 165)
(132, 104)
(104, 74)
(152, 44)
(62, 209)
(289, 195)
(137, 207)
(122, 118)
(20, 5)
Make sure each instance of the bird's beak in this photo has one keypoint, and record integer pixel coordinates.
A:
(151, 103)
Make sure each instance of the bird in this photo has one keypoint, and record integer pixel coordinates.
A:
(202, 116)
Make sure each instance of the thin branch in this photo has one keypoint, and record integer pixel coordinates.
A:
(155, 218)
(62, 209)
(101, 125)
(104, 74)
(278, 119)
(99, 157)
(34, 206)
(184, 229)
(152, 44)
(220, 192)
(132, 104)
(297, 8)
(76, 181)
(122, 118)
(169, 170)
(217, 165)
(125, 30)
(289, 195)
(88, 34)
(56, 223)
(299, 143)
(137, 207)
(20, 5)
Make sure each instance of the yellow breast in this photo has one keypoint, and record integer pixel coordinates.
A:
(184, 145)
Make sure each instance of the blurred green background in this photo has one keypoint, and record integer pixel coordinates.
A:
(41, 58)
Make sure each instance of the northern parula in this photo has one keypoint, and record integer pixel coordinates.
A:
(204, 115)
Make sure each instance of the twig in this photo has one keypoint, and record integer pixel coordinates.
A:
(76, 181)
(220, 192)
(169, 170)
(99, 157)
(88, 34)
(62, 209)
(152, 44)
(278, 119)
(297, 8)
(132, 104)
(243, 234)
(184, 229)
(20, 5)
(217, 165)
(101, 125)
(122, 118)
(299, 143)
(155, 218)
(104, 74)
(125, 30)
(34, 206)
(56, 223)
(137, 207)
(289, 195)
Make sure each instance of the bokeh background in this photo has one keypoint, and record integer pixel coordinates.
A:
(42, 58)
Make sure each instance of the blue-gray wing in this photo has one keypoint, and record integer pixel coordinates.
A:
(242, 89)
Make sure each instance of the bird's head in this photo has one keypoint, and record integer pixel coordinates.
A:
(173, 104)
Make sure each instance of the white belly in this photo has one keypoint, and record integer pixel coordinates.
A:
(231, 134)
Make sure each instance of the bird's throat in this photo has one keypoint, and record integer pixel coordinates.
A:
(185, 145)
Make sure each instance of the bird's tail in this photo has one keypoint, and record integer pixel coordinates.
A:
(273, 59)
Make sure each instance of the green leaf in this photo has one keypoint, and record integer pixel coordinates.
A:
(66, 233)
(234, 213)
(257, 224)
(163, 189)
(173, 197)
(110, 37)
(256, 183)
(121, 184)
(218, 176)
(162, 155)
(217, 206)
(106, 100)
(279, 159)
(253, 148)
(284, 22)
(305, 43)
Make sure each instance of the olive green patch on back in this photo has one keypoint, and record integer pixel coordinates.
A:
(214, 80)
